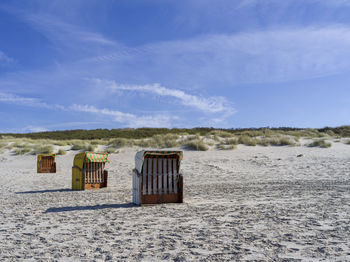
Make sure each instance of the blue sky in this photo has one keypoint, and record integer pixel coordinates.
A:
(69, 64)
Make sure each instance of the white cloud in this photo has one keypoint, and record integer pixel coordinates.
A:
(65, 35)
(330, 3)
(130, 120)
(212, 104)
(257, 57)
(5, 59)
(27, 101)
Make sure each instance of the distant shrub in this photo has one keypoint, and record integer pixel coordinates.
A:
(43, 149)
(60, 143)
(197, 145)
(263, 142)
(143, 143)
(282, 141)
(226, 147)
(61, 152)
(78, 146)
(231, 141)
(164, 141)
(90, 148)
(120, 142)
(246, 140)
(347, 142)
(22, 151)
(228, 144)
(320, 143)
(220, 133)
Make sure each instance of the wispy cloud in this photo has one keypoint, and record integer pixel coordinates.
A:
(212, 104)
(4, 59)
(272, 55)
(127, 119)
(130, 120)
(27, 101)
(334, 3)
(56, 29)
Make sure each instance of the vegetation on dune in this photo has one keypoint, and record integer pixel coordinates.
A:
(320, 143)
(61, 152)
(248, 141)
(196, 144)
(143, 133)
(22, 151)
(226, 147)
(160, 138)
(38, 149)
(228, 144)
(277, 141)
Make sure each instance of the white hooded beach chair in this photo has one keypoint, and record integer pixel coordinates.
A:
(156, 177)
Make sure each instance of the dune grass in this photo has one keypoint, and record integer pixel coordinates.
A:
(83, 146)
(228, 144)
(248, 141)
(277, 141)
(61, 152)
(196, 144)
(226, 147)
(221, 133)
(22, 151)
(39, 149)
(320, 143)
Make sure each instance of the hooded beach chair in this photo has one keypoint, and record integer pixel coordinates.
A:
(156, 178)
(46, 163)
(88, 171)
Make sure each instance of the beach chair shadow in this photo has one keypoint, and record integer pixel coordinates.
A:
(81, 208)
(45, 191)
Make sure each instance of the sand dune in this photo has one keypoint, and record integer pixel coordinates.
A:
(253, 203)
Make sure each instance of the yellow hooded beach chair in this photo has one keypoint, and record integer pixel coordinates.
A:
(88, 171)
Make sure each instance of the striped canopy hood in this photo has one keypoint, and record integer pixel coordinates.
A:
(141, 155)
(89, 157)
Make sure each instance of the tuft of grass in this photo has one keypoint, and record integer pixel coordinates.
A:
(228, 144)
(42, 149)
(78, 147)
(264, 142)
(197, 144)
(90, 148)
(281, 141)
(231, 141)
(120, 142)
(61, 143)
(61, 152)
(22, 151)
(320, 143)
(220, 133)
(246, 140)
(226, 147)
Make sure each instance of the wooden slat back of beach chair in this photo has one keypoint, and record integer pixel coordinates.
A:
(159, 176)
(93, 173)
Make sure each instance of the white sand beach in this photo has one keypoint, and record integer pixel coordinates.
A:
(250, 204)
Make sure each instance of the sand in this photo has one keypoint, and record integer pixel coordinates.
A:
(250, 204)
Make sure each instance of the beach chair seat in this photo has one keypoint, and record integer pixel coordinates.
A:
(156, 177)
